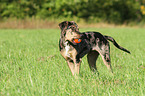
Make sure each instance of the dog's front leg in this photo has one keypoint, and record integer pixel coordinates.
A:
(71, 66)
(76, 61)
(77, 66)
(74, 66)
(69, 59)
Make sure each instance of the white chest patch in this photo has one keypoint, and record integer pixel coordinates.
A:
(67, 48)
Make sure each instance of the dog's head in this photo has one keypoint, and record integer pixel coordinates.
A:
(67, 25)
(72, 35)
(69, 30)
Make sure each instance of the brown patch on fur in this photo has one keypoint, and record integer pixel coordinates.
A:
(71, 35)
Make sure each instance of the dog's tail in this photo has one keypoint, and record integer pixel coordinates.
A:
(115, 43)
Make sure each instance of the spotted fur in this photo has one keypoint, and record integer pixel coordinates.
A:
(92, 44)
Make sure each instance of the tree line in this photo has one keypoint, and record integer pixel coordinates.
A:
(115, 11)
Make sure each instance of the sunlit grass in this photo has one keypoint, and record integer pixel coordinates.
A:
(30, 64)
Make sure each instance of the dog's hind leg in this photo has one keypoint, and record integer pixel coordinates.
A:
(105, 54)
(107, 62)
(92, 57)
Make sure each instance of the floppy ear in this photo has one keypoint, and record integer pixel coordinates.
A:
(63, 24)
(73, 23)
(76, 26)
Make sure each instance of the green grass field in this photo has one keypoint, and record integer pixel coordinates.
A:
(31, 65)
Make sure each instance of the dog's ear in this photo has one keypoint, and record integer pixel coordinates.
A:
(66, 24)
(63, 24)
(76, 26)
(73, 23)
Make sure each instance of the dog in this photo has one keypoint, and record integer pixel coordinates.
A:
(74, 45)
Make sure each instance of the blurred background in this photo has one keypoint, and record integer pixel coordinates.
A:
(48, 13)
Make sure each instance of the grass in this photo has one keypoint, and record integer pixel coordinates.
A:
(31, 65)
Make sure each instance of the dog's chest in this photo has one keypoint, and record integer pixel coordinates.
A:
(67, 49)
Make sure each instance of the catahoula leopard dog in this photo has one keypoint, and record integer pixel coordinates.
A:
(74, 45)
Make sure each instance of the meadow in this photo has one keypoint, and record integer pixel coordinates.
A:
(31, 65)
